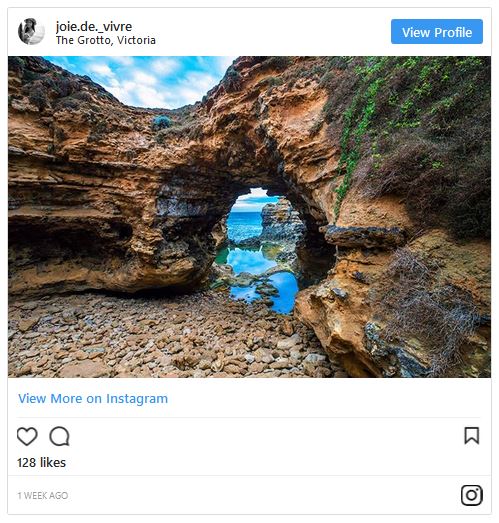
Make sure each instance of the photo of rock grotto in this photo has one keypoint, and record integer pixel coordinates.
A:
(249, 217)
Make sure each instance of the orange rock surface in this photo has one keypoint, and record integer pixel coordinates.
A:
(100, 198)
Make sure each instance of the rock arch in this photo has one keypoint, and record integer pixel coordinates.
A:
(101, 197)
(106, 196)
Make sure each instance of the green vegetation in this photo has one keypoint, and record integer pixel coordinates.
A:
(178, 130)
(416, 127)
(232, 81)
(352, 136)
(38, 97)
(161, 122)
(44, 90)
(16, 64)
(277, 63)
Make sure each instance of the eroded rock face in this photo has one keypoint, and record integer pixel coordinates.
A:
(101, 196)
(219, 233)
(281, 223)
(369, 237)
(347, 309)
(105, 196)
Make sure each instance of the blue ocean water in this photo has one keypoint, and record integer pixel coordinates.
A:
(242, 225)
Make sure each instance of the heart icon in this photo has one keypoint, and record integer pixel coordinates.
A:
(27, 435)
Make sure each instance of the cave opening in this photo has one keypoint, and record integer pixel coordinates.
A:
(257, 258)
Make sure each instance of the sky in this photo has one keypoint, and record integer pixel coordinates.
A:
(254, 201)
(160, 82)
(164, 82)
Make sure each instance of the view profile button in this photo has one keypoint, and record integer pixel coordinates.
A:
(437, 31)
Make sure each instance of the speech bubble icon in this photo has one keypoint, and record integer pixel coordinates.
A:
(471, 434)
(59, 436)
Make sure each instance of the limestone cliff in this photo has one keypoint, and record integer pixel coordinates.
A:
(219, 233)
(280, 222)
(387, 161)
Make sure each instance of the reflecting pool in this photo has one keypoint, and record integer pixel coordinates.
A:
(253, 261)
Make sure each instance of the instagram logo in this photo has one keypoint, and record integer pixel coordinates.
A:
(249, 276)
(471, 495)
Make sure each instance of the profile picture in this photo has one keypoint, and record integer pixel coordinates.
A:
(30, 31)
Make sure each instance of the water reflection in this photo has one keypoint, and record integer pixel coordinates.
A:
(287, 285)
(253, 261)
(244, 293)
(257, 261)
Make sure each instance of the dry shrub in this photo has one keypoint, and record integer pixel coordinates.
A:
(441, 317)
(441, 183)
(340, 84)
(402, 166)
(276, 63)
(428, 135)
(232, 81)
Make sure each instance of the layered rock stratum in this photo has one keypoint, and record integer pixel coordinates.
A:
(281, 223)
(386, 160)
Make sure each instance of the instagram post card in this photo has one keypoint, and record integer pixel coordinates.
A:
(305, 217)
